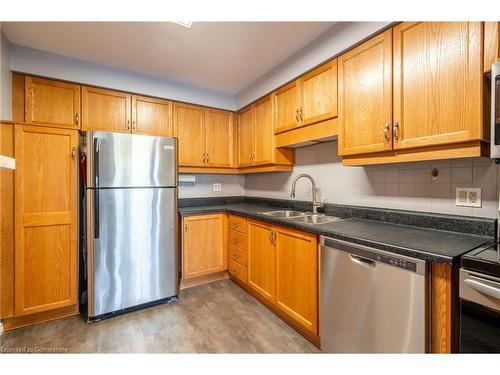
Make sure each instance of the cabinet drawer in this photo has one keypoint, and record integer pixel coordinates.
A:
(238, 255)
(238, 223)
(237, 271)
(238, 239)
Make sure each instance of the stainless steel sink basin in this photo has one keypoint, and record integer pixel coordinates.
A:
(316, 219)
(285, 214)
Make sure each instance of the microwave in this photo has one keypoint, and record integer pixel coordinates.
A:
(495, 112)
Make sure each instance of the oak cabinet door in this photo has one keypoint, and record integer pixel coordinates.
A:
(105, 110)
(51, 103)
(318, 94)
(491, 44)
(260, 259)
(264, 131)
(203, 245)
(46, 218)
(365, 97)
(189, 128)
(437, 83)
(297, 276)
(246, 136)
(219, 138)
(286, 101)
(151, 116)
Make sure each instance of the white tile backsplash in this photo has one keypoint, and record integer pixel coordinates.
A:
(407, 186)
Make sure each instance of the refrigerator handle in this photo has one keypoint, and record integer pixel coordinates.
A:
(96, 213)
(96, 161)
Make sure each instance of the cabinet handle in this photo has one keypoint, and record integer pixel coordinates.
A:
(133, 124)
(77, 119)
(297, 115)
(236, 225)
(301, 114)
(185, 226)
(73, 153)
(206, 158)
(386, 132)
(128, 124)
(271, 237)
(395, 129)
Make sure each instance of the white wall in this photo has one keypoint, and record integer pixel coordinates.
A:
(408, 186)
(36, 62)
(340, 37)
(5, 79)
(232, 185)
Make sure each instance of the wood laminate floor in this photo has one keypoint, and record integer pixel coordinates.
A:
(214, 318)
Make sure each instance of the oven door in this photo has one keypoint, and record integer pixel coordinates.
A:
(479, 313)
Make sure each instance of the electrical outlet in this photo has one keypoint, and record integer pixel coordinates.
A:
(217, 187)
(468, 197)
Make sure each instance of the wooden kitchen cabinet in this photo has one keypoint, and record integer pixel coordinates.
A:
(365, 97)
(219, 138)
(246, 136)
(491, 44)
(264, 147)
(205, 136)
(261, 258)
(297, 276)
(318, 94)
(204, 245)
(51, 103)
(151, 116)
(46, 219)
(438, 81)
(286, 101)
(106, 110)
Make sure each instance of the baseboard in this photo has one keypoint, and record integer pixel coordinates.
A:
(45, 316)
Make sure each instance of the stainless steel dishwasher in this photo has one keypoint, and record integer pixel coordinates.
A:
(371, 301)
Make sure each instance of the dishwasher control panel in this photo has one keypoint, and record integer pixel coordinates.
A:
(371, 255)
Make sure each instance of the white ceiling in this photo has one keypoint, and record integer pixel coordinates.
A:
(222, 56)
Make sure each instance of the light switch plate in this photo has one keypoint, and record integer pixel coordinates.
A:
(468, 197)
(217, 187)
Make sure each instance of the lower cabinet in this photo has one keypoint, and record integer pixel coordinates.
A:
(282, 270)
(203, 245)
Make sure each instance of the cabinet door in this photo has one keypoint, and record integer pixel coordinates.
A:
(45, 218)
(246, 136)
(318, 94)
(260, 259)
(151, 116)
(365, 97)
(203, 245)
(105, 110)
(437, 83)
(286, 100)
(491, 44)
(264, 131)
(219, 138)
(189, 128)
(297, 276)
(51, 103)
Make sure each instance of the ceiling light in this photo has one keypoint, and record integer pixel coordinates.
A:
(184, 23)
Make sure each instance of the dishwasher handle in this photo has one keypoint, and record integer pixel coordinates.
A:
(481, 287)
(362, 261)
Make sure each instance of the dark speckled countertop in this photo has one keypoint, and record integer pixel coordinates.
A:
(418, 242)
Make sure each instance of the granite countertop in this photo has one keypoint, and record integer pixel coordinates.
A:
(417, 242)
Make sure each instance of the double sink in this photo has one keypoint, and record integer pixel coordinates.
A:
(302, 217)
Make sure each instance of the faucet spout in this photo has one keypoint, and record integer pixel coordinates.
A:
(315, 203)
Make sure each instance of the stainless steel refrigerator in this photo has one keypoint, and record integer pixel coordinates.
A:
(132, 221)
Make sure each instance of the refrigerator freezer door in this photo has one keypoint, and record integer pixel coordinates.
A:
(134, 252)
(131, 160)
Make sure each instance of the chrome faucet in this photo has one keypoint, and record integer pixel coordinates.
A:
(315, 203)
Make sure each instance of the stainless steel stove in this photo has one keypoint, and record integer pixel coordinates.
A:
(480, 301)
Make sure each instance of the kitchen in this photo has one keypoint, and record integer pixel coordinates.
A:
(339, 195)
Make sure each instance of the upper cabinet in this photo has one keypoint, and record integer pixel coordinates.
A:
(286, 101)
(205, 136)
(438, 83)
(365, 97)
(51, 103)
(415, 96)
(318, 94)
(256, 141)
(491, 44)
(106, 110)
(151, 116)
